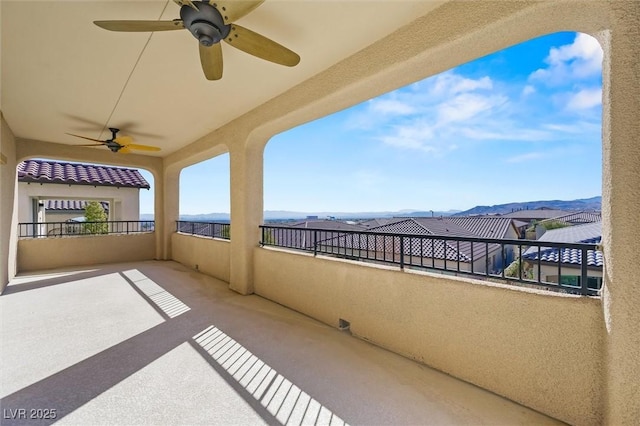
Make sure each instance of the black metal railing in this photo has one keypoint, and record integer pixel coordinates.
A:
(72, 228)
(205, 229)
(572, 267)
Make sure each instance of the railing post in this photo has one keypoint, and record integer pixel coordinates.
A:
(315, 243)
(583, 273)
(127, 227)
(520, 263)
(486, 259)
(401, 252)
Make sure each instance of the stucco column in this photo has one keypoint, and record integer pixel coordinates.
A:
(621, 209)
(167, 209)
(8, 204)
(246, 212)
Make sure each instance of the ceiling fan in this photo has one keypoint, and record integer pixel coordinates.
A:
(121, 144)
(211, 22)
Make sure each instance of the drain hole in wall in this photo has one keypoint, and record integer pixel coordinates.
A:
(343, 325)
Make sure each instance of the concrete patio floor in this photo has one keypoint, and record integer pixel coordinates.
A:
(157, 343)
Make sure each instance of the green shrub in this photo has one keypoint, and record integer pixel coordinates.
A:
(512, 270)
(94, 214)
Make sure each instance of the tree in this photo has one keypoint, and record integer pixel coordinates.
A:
(94, 214)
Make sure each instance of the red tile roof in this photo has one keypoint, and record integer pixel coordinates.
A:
(41, 171)
(73, 205)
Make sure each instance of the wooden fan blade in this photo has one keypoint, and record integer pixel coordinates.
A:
(89, 139)
(89, 144)
(124, 150)
(140, 26)
(141, 147)
(260, 46)
(124, 140)
(232, 10)
(211, 60)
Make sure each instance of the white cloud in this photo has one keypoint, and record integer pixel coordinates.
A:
(449, 83)
(417, 135)
(579, 60)
(448, 112)
(466, 106)
(522, 158)
(390, 107)
(573, 128)
(585, 99)
(506, 132)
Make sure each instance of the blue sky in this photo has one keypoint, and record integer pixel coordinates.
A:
(521, 124)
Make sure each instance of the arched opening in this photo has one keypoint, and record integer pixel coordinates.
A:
(505, 147)
(204, 207)
(54, 197)
(518, 126)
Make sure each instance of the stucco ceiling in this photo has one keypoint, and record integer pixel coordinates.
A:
(61, 73)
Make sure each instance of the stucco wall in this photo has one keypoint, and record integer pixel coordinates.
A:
(211, 255)
(7, 197)
(538, 348)
(47, 253)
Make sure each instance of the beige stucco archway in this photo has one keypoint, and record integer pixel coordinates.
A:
(455, 33)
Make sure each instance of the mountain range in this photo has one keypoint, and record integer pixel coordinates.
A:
(593, 203)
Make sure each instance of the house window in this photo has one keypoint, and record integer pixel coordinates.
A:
(574, 281)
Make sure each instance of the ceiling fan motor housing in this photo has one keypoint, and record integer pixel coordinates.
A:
(206, 24)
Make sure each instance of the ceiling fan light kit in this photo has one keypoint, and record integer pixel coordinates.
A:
(211, 22)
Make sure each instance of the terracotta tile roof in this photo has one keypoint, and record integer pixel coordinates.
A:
(537, 214)
(373, 223)
(569, 256)
(41, 171)
(64, 205)
(325, 224)
(577, 218)
(464, 250)
(590, 233)
(485, 227)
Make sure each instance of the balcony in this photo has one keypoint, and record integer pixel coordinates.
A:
(155, 342)
(407, 310)
(135, 328)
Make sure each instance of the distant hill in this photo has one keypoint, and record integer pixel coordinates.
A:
(594, 203)
(285, 214)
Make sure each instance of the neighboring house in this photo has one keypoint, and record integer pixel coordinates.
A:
(48, 188)
(485, 226)
(64, 210)
(539, 214)
(307, 236)
(576, 218)
(374, 223)
(438, 253)
(570, 259)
